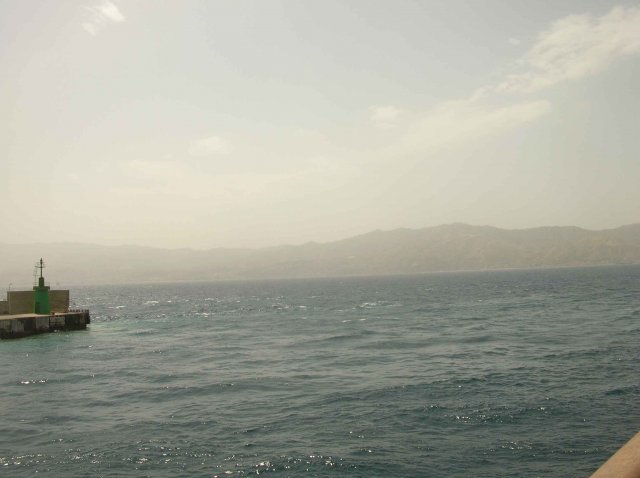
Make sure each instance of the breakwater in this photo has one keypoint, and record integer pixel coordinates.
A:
(22, 325)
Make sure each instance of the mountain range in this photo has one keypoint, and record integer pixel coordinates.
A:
(451, 247)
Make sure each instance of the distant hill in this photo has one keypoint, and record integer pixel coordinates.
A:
(442, 248)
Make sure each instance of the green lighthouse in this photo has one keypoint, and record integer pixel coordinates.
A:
(41, 294)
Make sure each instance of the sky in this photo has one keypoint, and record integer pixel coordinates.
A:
(204, 124)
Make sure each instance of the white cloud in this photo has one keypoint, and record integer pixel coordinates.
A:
(462, 121)
(100, 16)
(575, 47)
(385, 116)
(571, 48)
(210, 146)
(176, 179)
(110, 11)
(172, 178)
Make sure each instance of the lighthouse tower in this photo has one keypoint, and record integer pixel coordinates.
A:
(41, 294)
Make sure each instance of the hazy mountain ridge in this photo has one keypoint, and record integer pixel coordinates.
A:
(442, 248)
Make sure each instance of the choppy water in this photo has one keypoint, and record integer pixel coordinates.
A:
(517, 373)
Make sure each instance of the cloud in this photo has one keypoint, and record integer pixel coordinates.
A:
(462, 121)
(176, 179)
(572, 48)
(210, 146)
(100, 16)
(385, 116)
(172, 178)
(575, 47)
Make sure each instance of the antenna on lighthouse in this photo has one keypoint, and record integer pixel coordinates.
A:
(39, 265)
(41, 297)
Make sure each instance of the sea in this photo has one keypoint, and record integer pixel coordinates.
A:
(519, 373)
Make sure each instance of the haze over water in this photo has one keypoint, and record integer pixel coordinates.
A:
(514, 374)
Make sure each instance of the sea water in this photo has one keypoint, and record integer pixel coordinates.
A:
(484, 374)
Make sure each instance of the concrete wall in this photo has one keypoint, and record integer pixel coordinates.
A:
(21, 301)
(4, 307)
(59, 300)
(23, 325)
(5, 326)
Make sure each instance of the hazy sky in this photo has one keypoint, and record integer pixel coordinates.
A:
(255, 123)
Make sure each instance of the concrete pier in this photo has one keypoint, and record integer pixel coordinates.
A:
(38, 311)
(22, 325)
